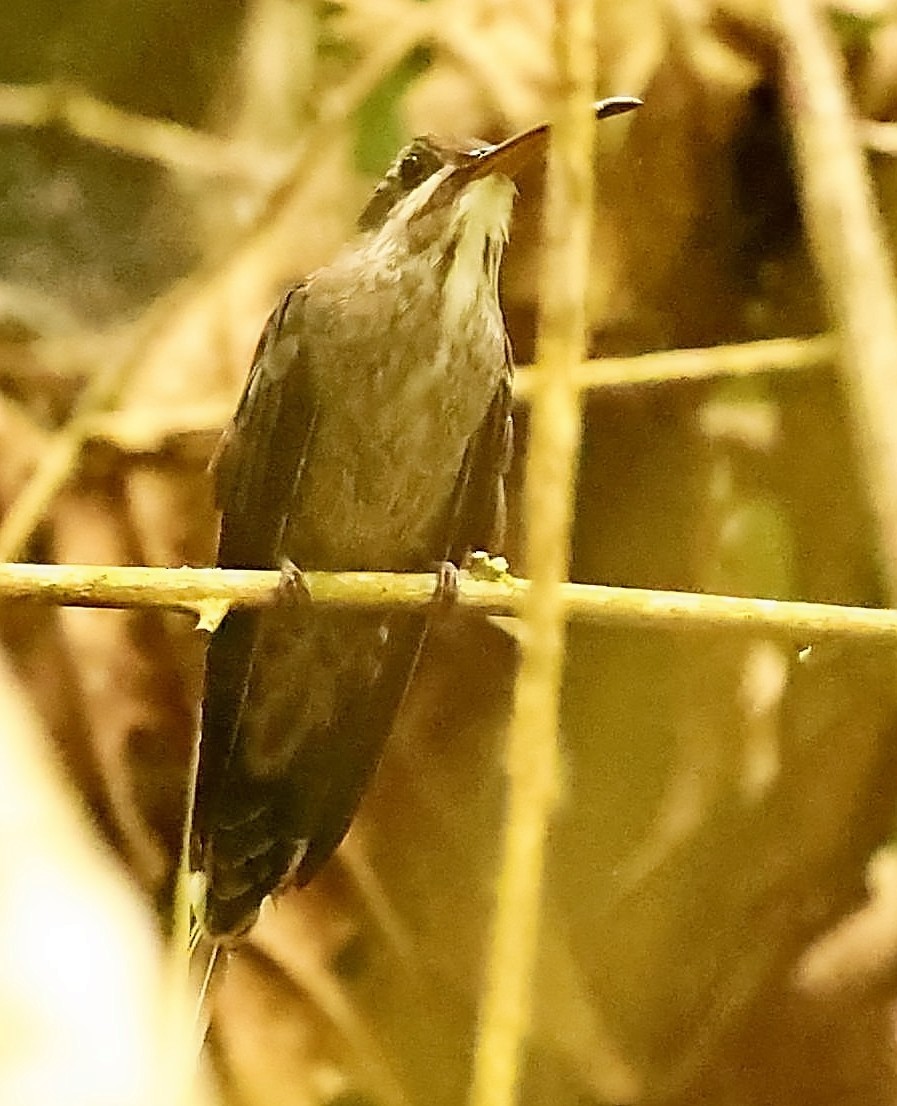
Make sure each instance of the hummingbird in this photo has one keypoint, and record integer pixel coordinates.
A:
(374, 433)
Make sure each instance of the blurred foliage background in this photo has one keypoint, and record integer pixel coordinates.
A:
(714, 931)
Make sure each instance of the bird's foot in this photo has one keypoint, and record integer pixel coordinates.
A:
(292, 588)
(448, 585)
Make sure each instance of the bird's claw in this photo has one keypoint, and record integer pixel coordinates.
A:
(292, 588)
(448, 585)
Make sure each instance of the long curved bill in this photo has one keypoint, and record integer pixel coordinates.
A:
(510, 156)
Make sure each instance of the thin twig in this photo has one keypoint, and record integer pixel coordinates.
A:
(63, 449)
(713, 362)
(850, 248)
(191, 589)
(879, 137)
(176, 147)
(505, 1008)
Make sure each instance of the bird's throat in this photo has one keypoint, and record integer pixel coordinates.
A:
(479, 231)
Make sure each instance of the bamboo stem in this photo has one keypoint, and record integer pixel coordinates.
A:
(506, 1003)
(849, 243)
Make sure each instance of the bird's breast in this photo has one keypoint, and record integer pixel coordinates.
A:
(400, 391)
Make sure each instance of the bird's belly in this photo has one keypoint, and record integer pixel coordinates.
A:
(375, 492)
(375, 504)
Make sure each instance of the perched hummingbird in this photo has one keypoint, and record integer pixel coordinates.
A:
(374, 433)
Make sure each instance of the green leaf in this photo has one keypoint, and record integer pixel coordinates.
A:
(379, 129)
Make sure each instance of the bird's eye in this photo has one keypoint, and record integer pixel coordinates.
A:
(412, 170)
(414, 166)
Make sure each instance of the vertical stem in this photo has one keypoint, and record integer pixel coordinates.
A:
(848, 240)
(553, 448)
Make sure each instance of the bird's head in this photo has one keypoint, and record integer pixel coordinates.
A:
(448, 206)
(432, 182)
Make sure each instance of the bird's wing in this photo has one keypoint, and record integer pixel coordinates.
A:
(256, 467)
(297, 701)
(477, 514)
(261, 454)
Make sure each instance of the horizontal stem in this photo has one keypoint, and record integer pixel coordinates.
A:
(767, 355)
(192, 589)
